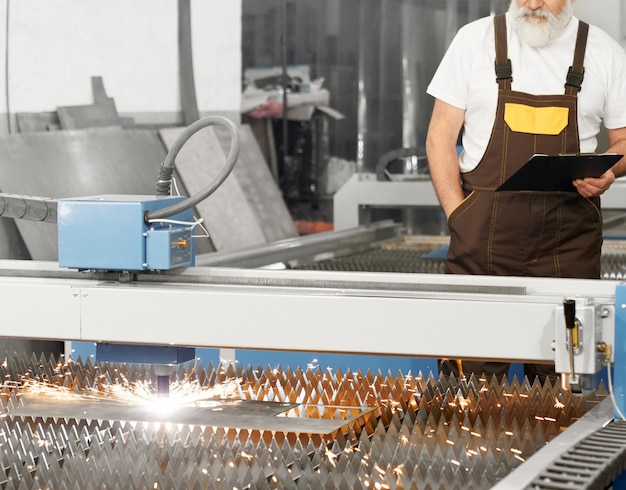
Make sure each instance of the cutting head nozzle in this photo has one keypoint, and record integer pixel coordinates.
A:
(163, 386)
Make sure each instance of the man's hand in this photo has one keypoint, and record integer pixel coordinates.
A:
(594, 187)
(591, 187)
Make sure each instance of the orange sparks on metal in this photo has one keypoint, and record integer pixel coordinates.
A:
(182, 392)
(332, 457)
(379, 470)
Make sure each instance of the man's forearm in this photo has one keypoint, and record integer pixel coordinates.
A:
(445, 174)
(443, 160)
(619, 146)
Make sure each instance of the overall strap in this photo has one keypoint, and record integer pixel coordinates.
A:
(576, 72)
(504, 71)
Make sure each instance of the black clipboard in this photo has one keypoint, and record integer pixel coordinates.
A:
(555, 173)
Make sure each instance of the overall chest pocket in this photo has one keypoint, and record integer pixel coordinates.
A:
(523, 118)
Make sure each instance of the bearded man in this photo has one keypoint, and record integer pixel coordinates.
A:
(534, 80)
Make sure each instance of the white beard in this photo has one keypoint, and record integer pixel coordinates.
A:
(539, 34)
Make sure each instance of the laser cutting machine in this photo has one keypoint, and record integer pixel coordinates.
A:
(127, 275)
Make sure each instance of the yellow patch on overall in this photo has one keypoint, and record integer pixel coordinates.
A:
(535, 120)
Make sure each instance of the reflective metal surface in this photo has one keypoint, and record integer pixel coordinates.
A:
(420, 431)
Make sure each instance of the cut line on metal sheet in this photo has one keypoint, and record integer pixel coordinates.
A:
(240, 414)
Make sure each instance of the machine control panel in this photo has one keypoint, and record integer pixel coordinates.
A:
(167, 248)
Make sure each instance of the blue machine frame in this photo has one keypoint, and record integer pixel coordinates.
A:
(619, 349)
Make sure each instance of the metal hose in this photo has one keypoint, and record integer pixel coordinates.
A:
(167, 167)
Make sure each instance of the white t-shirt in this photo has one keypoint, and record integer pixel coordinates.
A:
(466, 79)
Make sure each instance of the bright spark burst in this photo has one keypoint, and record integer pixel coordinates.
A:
(183, 392)
(313, 365)
(463, 403)
(332, 457)
(379, 470)
(393, 405)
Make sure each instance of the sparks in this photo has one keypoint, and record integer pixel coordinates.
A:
(463, 402)
(332, 457)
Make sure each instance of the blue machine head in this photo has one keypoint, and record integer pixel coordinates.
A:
(110, 232)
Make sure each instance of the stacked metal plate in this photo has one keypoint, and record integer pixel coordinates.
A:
(614, 259)
(426, 255)
(296, 428)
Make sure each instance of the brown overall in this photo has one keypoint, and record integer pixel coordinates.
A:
(526, 233)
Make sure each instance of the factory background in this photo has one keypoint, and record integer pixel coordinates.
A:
(49, 54)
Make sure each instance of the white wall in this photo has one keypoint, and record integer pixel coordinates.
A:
(56, 46)
(606, 14)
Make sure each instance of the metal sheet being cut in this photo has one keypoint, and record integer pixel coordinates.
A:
(239, 414)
